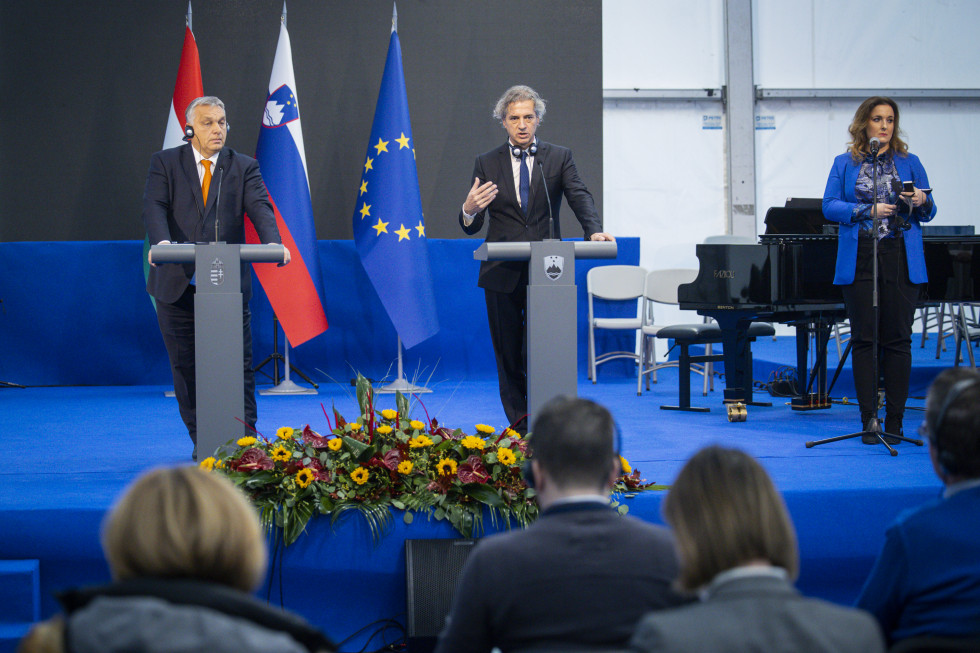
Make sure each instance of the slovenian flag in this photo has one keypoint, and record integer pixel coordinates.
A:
(187, 88)
(294, 290)
(388, 227)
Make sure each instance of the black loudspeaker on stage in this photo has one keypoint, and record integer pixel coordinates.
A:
(432, 569)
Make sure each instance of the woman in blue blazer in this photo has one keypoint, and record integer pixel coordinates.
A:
(850, 200)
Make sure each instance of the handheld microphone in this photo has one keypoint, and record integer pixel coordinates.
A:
(874, 144)
(217, 204)
(547, 197)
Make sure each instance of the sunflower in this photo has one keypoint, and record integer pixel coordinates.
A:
(335, 444)
(446, 467)
(511, 433)
(417, 425)
(484, 428)
(207, 464)
(355, 426)
(384, 429)
(360, 475)
(405, 467)
(388, 413)
(419, 442)
(625, 464)
(247, 441)
(284, 433)
(473, 442)
(506, 456)
(304, 477)
(280, 453)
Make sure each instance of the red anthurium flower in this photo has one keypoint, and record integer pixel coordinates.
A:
(473, 471)
(252, 460)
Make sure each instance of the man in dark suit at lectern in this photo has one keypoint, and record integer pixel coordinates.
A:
(509, 194)
(186, 188)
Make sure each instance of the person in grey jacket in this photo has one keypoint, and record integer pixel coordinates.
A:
(738, 550)
(185, 548)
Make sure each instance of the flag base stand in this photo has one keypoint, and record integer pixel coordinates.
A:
(286, 386)
(401, 384)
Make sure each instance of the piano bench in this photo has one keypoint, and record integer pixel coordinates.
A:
(685, 335)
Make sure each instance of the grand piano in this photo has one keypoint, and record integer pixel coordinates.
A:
(787, 277)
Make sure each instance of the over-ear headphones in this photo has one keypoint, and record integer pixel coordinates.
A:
(189, 131)
(527, 471)
(957, 389)
(516, 151)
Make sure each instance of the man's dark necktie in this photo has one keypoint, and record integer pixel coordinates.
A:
(525, 181)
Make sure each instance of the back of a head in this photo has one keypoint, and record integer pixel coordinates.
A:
(572, 439)
(725, 512)
(183, 522)
(953, 421)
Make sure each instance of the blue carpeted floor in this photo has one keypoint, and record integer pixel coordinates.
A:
(69, 451)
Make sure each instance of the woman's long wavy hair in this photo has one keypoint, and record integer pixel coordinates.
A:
(858, 147)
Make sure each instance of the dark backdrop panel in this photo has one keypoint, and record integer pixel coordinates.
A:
(88, 87)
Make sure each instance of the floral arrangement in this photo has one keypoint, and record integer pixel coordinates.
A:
(384, 460)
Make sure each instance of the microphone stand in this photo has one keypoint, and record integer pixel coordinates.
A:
(873, 427)
(547, 197)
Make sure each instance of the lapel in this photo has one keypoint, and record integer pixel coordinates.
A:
(219, 164)
(506, 176)
(536, 174)
(189, 168)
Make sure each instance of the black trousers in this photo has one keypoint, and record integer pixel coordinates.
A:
(507, 315)
(177, 327)
(897, 299)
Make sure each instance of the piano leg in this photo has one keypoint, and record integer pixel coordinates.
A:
(738, 359)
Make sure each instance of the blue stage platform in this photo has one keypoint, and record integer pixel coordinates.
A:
(69, 451)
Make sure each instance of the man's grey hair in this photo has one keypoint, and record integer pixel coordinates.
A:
(519, 93)
(203, 101)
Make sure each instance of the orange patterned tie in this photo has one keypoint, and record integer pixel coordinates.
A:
(206, 183)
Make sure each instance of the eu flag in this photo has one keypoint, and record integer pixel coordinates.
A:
(388, 227)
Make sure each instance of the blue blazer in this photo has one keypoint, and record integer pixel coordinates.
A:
(838, 205)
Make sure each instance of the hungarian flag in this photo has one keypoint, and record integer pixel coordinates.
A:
(294, 290)
(187, 88)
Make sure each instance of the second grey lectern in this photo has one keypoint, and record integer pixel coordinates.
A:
(552, 311)
(218, 344)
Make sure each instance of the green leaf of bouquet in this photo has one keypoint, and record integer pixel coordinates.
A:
(483, 494)
(623, 509)
(357, 447)
(408, 518)
(364, 391)
(439, 513)
(401, 404)
(398, 504)
(295, 522)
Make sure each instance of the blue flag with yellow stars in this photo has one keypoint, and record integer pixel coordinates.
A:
(388, 227)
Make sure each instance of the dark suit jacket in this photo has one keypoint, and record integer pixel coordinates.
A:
(173, 209)
(581, 575)
(508, 223)
(759, 614)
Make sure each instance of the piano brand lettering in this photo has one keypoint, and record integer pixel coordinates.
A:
(724, 274)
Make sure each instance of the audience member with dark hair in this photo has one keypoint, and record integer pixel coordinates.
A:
(582, 574)
(184, 547)
(738, 550)
(926, 581)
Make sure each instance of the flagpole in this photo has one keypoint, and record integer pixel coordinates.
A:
(401, 384)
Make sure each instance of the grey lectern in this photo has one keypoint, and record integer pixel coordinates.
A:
(219, 368)
(552, 311)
